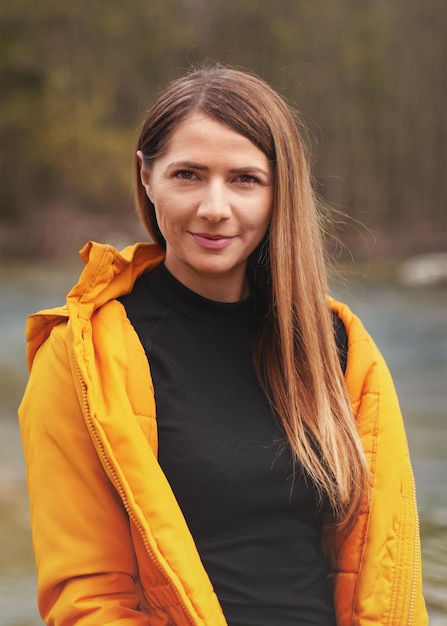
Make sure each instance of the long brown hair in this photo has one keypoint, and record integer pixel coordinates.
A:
(295, 355)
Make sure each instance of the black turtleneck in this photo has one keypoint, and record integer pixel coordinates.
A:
(255, 522)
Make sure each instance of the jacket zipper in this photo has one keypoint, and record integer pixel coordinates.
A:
(415, 558)
(122, 493)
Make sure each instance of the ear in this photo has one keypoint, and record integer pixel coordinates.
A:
(145, 175)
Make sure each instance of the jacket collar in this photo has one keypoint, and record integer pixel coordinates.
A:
(107, 275)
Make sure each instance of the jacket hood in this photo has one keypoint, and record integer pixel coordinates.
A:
(107, 275)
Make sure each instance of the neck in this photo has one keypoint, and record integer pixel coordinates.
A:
(212, 287)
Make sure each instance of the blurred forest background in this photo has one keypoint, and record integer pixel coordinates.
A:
(368, 76)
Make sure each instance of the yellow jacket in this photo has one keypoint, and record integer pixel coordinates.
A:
(111, 543)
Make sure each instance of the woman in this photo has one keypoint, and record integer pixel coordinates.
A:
(200, 448)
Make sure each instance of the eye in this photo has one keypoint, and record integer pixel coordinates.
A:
(248, 179)
(184, 175)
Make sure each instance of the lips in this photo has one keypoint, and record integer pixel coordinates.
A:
(213, 242)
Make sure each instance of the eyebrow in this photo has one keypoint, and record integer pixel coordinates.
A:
(235, 170)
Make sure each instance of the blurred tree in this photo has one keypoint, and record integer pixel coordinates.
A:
(368, 75)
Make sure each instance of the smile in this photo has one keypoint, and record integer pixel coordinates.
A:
(214, 242)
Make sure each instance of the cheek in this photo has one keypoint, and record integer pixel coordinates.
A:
(264, 219)
(169, 217)
(160, 216)
(258, 230)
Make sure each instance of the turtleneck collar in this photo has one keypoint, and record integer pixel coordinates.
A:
(195, 306)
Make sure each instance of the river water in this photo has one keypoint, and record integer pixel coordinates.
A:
(409, 326)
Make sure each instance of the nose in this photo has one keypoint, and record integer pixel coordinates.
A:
(215, 204)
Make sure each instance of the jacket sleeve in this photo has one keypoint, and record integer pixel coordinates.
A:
(377, 567)
(86, 565)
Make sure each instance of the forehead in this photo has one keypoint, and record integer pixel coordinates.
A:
(201, 134)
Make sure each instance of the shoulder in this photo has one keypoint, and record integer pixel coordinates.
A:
(352, 323)
(362, 348)
(367, 375)
(107, 275)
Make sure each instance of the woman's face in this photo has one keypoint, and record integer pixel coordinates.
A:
(212, 191)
